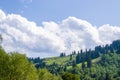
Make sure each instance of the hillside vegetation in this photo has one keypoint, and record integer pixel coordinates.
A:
(58, 60)
(102, 63)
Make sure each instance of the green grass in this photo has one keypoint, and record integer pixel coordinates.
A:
(66, 59)
(96, 60)
(58, 60)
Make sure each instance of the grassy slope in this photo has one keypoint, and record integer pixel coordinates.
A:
(64, 60)
(59, 60)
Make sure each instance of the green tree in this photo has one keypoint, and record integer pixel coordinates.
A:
(74, 64)
(70, 76)
(45, 75)
(15, 66)
(70, 56)
(83, 65)
(1, 39)
(21, 68)
(4, 65)
(89, 60)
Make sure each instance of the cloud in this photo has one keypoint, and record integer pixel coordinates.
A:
(22, 35)
(109, 33)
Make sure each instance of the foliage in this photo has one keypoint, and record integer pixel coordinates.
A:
(46, 75)
(107, 69)
(1, 38)
(15, 66)
(62, 54)
(70, 76)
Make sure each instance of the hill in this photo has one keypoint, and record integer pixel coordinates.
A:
(102, 63)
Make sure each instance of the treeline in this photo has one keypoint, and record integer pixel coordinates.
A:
(108, 68)
(88, 55)
(105, 69)
(82, 56)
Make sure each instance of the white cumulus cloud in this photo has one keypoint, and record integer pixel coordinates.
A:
(24, 36)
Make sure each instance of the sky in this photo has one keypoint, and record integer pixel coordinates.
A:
(97, 12)
(45, 28)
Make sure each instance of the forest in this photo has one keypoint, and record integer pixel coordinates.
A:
(101, 63)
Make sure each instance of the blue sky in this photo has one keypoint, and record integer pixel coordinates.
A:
(97, 12)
